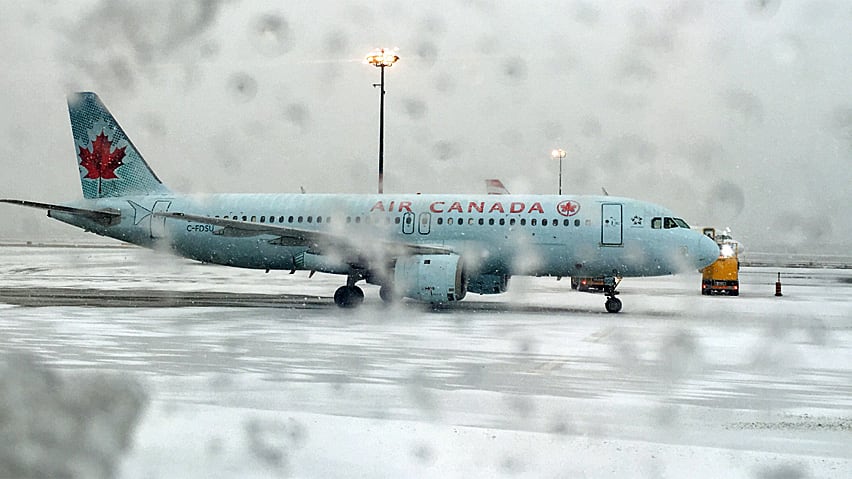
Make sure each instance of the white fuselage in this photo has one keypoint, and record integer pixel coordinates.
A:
(495, 234)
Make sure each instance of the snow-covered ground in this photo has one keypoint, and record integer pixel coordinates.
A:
(539, 382)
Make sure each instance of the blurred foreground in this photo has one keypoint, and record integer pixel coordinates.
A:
(536, 383)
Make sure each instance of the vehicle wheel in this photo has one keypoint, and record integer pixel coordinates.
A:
(574, 283)
(613, 305)
(348, 296)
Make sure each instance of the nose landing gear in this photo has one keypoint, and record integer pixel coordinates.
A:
(613, 304)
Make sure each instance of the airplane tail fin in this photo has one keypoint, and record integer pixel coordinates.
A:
(109, 164)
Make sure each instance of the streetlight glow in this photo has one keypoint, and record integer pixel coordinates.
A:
(559, 154)
(381, 58)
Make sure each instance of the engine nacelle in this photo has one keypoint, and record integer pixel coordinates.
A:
(488, 283)
(433, 278)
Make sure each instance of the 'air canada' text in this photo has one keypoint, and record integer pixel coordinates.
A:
(462, 207)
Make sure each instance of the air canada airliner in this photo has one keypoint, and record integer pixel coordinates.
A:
(430, 248)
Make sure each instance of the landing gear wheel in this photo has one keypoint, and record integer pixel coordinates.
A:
(348, 296)
(613, 305)
(387, 294)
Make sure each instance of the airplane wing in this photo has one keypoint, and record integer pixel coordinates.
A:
(105, 216)
(317, 241)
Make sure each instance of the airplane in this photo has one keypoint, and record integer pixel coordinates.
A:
(431, 248)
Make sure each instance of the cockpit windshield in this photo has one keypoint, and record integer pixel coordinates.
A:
(668, 223)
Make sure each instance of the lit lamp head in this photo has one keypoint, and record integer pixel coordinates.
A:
(382, 57)
(558, 154)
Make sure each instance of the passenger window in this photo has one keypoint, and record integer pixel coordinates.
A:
(440, 221)
(310, 219)
(348, 219)
(657, 223)
(512, 222)
(502, 221)
(576, 222)
(460, 221)
(398, 221)
(319, 219)
(281, 219)
(491, 221)
(470, 221)
(533, 221)
(543, 222)
(263, 219)
(290, 219)
(408, 220)
(300, 219)
(449, 221)
(245, 218)
(357, 219)
(481, 221)
(523, 221)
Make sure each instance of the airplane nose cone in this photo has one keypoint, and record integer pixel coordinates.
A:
(708, 251)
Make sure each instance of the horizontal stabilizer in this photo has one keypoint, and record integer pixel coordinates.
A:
(105, 216)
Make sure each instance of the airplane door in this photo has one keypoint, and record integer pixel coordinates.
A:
(158, 224)
(425, 223)
(611, 226)
(408, 223)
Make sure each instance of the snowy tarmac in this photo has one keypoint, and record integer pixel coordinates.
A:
(260, 375)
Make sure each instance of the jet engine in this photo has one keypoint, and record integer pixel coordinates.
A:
(432, 278)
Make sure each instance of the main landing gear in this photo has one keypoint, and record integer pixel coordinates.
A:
(613, 304)
(349, 296)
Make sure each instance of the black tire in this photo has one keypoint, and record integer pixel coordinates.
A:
(613, 305)
(348, 296)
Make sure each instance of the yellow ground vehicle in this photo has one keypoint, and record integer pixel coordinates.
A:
(722, 277)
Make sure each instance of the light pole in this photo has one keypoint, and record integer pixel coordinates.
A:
(381, 58)
(559, 154)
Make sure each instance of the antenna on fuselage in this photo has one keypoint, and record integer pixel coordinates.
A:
(605, 192)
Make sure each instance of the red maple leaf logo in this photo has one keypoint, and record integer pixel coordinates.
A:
(100, 162)
(568, 208)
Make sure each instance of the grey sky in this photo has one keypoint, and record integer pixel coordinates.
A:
(734, 113)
